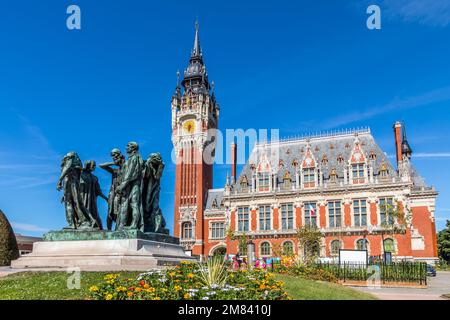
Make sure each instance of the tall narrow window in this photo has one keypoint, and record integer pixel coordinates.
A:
(217, 230)
(310, 214)
(358, 171)
(389, 245)
(264, 218)
(360, 212)
(186, 230)
(386, 211)
(243, 219)
(265, 249)
(264, 181)
(288, 248)
(308, 177)
(287, 217)
(334, 214)
(335, 247)
(361, 244)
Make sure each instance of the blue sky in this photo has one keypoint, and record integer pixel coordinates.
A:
(300, 66)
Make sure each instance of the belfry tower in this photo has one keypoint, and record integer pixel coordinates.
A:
(195, 115)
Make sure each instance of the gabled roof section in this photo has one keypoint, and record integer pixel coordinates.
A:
(214, 199)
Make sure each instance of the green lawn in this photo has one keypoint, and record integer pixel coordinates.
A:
(53, 286)
(303, 289)
(49, 285)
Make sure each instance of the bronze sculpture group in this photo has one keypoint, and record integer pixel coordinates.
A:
(133, 200)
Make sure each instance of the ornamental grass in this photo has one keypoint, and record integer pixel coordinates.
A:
(192, 281)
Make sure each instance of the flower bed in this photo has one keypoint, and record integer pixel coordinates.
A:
(291, 265)
(188, 282)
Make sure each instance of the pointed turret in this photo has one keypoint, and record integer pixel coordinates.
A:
(195, 75)
(177, 93)
(406, 149)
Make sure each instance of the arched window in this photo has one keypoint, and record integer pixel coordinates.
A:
(335, 247)
(389, 245)
(288, 248)
(186, 230)
(361, 244)
(265, 249)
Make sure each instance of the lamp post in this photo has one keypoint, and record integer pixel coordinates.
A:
(250, 253)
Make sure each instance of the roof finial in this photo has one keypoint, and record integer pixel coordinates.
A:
(178, 78)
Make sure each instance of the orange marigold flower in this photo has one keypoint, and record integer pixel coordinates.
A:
(190, 275)
(130, 294)
(138, 289)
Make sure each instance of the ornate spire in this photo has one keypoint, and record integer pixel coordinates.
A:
(406, 149)
(195, 75)
(197, 50)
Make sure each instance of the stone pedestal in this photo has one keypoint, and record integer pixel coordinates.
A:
(104, 251)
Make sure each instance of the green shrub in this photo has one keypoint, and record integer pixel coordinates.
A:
(8, 243)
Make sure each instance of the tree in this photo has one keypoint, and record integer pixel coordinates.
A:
(395, 222)
(444, 243)
(309, 239)
(8, 244)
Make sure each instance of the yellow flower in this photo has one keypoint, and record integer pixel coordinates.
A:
(190, 275)
(130, 294)
(156, 298)
(109, 296)
(171, 274)
(146, 286)
(121, 289)
(93, 289)
(177, 288)
(187, 296)
(137, 289)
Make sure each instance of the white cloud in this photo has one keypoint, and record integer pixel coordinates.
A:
(432, 155)
(426, 12)
(27, 227)
(434, 96)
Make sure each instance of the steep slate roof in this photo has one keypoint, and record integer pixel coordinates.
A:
(332, 146)
(214, 195)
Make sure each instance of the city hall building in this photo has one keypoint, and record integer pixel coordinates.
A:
(341, 183)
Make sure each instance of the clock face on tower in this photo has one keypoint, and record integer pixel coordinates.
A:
(189, 126)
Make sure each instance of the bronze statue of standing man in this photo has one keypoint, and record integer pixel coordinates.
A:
(90, 190)
(131, 211)
(114, 198)
(78, 217)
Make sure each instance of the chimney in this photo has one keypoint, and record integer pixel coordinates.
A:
(233, 162)
(398, 141)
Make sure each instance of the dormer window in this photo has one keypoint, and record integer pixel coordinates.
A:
(294, 163)
(340, 159)
(308, 177)
(287, 181)
(358, 172)
(244, 183)
(324, 159)
(333, 175)
(214, 204)
(384, 172)
(372, 155)
(263, 180)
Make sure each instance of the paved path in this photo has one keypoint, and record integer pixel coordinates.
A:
(437, 286)
(5, 271)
